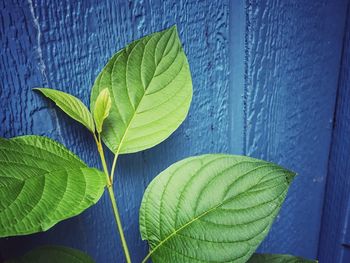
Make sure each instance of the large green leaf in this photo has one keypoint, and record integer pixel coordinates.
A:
(53, 254)
(271, 258)
(71, 105)
(212, 208)
(151, 89)
(42, 183)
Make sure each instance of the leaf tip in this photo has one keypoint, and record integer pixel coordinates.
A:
(290, 175)
(41, 90)
(174, 29)
(37, 89)
(105, 92)
(171, 29)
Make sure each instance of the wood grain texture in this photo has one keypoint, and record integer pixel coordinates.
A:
(334, 241)
(294, 50)
(64, 44)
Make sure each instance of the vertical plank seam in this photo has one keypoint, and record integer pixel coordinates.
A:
(237, 77)
(334, 120)
(247, 51)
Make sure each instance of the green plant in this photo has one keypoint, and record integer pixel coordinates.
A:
(209, 208)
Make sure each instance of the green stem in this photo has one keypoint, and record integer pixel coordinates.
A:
(119, 224)
(112, 198)
(114, 165)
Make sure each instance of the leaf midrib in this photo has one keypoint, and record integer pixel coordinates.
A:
(136, 108)
(184, 226)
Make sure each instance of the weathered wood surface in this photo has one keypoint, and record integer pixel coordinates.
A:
(294, 50)
(335, 231)
(286, 86)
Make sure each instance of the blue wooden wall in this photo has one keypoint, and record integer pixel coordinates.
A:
(265, 77)
(335, 232)
(293, 61)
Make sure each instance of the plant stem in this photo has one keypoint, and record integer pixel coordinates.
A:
(114, 165)
(119, 224)
(103, 160)
(112, 198)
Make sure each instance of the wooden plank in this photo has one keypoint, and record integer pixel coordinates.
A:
(335, 232)
(65, 44)
(292, 70)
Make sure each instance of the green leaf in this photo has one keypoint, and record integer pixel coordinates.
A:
(102, 107)
(151, 90)
(270, 258)
(42, 183)
(71, 105)
(212, 208)
(53, 254)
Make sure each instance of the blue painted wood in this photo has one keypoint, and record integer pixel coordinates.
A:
(264, 74)
(335, 232)
(293, 58)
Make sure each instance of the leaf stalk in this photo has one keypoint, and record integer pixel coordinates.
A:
(113, 198)
(119, 224)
